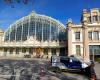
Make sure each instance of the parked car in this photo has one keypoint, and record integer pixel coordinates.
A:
(60, 63)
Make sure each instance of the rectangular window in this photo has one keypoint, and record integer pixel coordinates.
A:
(94, 49)
(96, 35)
(90, 35)
(95, 18)
(78, 50)
(77, 35)
(89, 19)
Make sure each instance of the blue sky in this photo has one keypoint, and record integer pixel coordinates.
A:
(58, 9)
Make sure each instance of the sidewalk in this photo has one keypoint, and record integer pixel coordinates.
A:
(97, 70)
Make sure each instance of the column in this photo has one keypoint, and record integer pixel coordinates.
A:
(99, 35)
(20, 53)
(86, 56)
(8, 52)
(69, 29)
(42, 30)
(57, 52)
(34, 52)
(27, 51)
(1, 52)
(85, 45)
(50, 30)
(22, 30)
(35, 26)
(9, 33)
(4, 52)
(15, 32)
(29, 27)
(14, 52)
(49, 53)
(42, 54)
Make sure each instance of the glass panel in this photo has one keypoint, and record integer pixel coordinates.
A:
(25, 31)
(12, 34)
(46, 31)
(96, 35)
(94, 49)
(39, 31)
(54, 32)
(32, 27)
(95, 18)
(90, 35)
(18, 33)
(7, 36)
(77, 35)
(57, 31)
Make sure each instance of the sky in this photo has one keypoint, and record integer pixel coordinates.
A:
(61, 10)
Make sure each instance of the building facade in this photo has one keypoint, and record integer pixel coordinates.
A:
(36, 35)
(84, 38)
(42, 36)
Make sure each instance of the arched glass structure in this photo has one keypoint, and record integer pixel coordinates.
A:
(40, 27)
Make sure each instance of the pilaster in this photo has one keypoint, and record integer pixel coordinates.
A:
(85, 37)
(14, 52)
(49, 53)
(8, 52)
(57, 52)
(69, 30)
(1, 52)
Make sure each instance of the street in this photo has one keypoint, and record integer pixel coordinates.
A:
(35, 69)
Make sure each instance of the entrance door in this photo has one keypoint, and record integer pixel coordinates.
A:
(38, 52)
(62, 52)
(94, 51)
(53, 51)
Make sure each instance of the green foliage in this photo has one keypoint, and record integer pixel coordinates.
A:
(13, 2)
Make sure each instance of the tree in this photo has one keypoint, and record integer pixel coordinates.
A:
(17, 1)
(11, 2)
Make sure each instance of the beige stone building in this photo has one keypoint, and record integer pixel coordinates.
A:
(1, 41)
(84, 38)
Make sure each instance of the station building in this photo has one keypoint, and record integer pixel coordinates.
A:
(42, 36)
(36, 35)
(84, 38)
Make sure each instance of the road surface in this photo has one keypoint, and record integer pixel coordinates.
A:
(35, 69)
